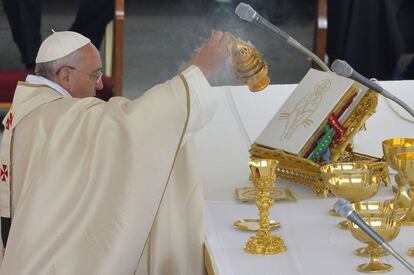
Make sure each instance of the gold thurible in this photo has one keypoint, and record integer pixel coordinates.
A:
(263, 175)
(248, 65)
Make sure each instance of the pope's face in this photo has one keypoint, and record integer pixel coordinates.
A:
(86, 78)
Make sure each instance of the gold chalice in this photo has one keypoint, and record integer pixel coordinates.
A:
(263, 175)
(352, 181)
(388, 229)
(405, 166)
(379, 209)
(392, 147)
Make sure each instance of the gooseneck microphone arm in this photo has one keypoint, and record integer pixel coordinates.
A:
(247, 13)
(342, 68)
(343, 208)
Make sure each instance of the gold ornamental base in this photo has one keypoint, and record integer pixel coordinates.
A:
(272, 244)
(374, 266)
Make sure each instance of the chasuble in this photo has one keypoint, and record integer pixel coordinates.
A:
(105, 187)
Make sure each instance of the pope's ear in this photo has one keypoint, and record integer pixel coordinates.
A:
(64, 74)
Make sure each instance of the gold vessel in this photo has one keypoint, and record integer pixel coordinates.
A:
(248, 65)
(405, 167)
(388, 229)
(352, 181)
(379, 209)
(392, 147)
(263, 175)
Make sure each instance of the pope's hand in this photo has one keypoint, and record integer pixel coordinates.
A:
(213, 53)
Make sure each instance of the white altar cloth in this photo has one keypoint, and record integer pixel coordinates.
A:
(314, 244)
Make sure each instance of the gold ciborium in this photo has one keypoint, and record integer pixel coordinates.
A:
(352, 181)
(263, 175)
(405, 167)
(248, 65)
(388, 229)
(392, 147)
(378, 209)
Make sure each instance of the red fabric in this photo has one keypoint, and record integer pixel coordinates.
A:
(9, 79)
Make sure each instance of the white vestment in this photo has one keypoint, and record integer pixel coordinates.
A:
(88, 180)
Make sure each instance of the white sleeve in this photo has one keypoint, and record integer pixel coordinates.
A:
(203, 100)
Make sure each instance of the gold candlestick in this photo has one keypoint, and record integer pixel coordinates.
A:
(263, 174)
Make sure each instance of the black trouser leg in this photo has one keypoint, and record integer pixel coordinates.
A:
(92, 18)
(25, 18)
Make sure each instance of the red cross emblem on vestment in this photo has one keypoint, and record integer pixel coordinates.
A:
(9, 120)
(4, 172)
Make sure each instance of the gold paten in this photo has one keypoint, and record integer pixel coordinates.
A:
(249, 194)
(388, 229)
(263, 175)
(353, 181)
(254, 224)
(392, 147)
(248, 65)
(300, 170)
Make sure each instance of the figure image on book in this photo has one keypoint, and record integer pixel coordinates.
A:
(303, 110)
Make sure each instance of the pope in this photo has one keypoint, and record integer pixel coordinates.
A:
(94, 187)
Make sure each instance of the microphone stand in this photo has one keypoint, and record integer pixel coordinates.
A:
(260, 21)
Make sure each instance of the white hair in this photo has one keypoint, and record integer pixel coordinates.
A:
(50, 69)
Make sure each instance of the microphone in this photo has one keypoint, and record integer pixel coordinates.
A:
(247, 13)
(342, 68)
(344, 208)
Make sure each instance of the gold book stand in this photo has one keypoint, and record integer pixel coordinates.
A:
(307, 172)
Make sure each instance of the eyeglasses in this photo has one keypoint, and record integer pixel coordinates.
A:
(97, 76)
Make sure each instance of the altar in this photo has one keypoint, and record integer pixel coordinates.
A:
(314, 244)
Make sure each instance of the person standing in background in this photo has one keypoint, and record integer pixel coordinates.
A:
(24, 17)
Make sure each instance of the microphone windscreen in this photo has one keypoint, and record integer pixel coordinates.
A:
(343, 207)
(245, 12)
(341, 68)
